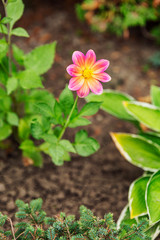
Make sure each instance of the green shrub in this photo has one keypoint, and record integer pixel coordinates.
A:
(34, 224)
(142, 150)
(118, 16)
(29, 112)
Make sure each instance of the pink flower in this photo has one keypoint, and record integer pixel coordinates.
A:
(86, 73)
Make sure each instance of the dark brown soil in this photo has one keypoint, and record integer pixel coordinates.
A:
(101, 181)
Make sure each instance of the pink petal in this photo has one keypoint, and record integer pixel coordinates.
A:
(90, 58)
(84, 90)
(75, 83)
(103, 77)
(78, 58)
(100, 66)
(95, 86)
(74, 70)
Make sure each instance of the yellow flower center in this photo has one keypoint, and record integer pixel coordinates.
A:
(87, 73)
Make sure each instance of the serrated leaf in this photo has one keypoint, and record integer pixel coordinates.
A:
(81, 136)
(5, 20)
(50, 138)
(11, 85)
(18, 54)
(90, 108)
(146, 113)
(155, 95)
(137, 192)
(56, 152)
(12, 118)
(79, 121)
(66, 101)
(36, 129)
(29, 79)
(14, 10)
(67, 145)
(153, 198)
(137, 150)
(5, 131)
(20, 32)
(112, 102)
(44, 109)
(84, 145)
(36, 96)
(27, 146)
(41, 58)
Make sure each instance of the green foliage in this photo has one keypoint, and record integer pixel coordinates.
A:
(119, 16)
(143, 150)
(34, 224)
(28, 112)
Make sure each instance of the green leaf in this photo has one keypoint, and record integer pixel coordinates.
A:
(15, 10)
(12, 118)
(36, 129)
(35, 96)
(112, 102)
(67, 145)
(146, 113)
(5, 131)
(41, 58)
(66, 101)
(124, 218)
(29, 79)
(152, 136)
(153, 198)
(3, 48)
(56, 152)
(137, 150)
(85, 145)
(23, 129)
(3, 29)
(153, 231)
(58, 113)
(90, 108)
(35, 156)
(27, 146)
(11, 85)
(50, 138)
(155, 95)
(20, 32)
(5, 20)
(44, 109)
(79, 121)
(81, 136)
(137, 202)
(18, 54)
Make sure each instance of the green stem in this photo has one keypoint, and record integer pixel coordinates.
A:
(68, 119)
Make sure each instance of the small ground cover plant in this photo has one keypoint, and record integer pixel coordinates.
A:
(34, 224)
(141, 149)
(119, 16)
(29, 112)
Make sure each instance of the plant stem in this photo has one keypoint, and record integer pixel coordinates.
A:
(68, 119)
(9, 40)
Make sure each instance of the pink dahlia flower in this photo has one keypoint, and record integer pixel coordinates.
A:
(86, 73)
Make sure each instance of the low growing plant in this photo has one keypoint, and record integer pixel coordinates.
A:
(31, 113)
(34, 224)
(119, 16)
(141, 149)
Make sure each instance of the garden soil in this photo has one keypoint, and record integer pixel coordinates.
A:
(101, 181)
